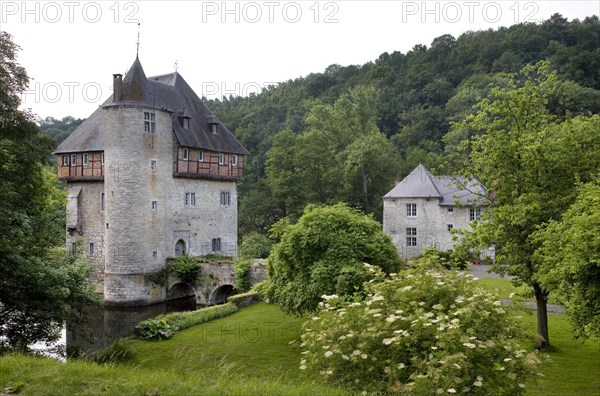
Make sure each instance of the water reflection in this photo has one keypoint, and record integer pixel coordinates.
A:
(105, 324)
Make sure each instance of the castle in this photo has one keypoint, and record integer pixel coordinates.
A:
(151, 174)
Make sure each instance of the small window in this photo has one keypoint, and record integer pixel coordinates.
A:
(73, 159)
(450, 210)
(186, 154)
(101, 201)
(411, 210)
(152, 165)
(186, 123)
(411, 237)
(221, 159)
(154, 205)
(155, 254)
(91, 249)
(149, 122)
(216, 244)
(190, 199)
(234, 160)
(450, 227)
(225, 198)
(214, 128)
(102, 159)
(65, 160)
(201, 156)
(474, 214)
(86, 159)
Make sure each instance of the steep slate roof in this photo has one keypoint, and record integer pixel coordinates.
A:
(166, 92)
(420, 183)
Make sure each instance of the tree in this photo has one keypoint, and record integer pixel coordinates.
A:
(323, 253)
(341, 156)
(38, 285)
(570, 257)
(530, 160)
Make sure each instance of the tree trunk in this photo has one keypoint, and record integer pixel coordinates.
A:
(541, 301)
(365, 189)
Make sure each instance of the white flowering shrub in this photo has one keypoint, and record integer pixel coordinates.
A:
(421, 332)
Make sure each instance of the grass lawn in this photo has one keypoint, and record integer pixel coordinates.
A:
(504, 288)
(247, 353)
(252, 342)
(570, 367)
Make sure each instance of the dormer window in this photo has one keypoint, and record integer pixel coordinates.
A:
(213, 123)
(185, 122)
(149, 122)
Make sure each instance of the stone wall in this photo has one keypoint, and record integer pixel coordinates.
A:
(84, 212)
(135, 230)
(431, 222)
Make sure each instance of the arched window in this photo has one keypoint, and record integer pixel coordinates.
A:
(180, 248)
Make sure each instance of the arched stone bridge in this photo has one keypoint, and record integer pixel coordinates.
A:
(215, 284)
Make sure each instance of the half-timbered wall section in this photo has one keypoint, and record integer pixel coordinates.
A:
(204, 164)
(81, 166)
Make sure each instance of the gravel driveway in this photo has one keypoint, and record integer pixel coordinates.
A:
(482, 271)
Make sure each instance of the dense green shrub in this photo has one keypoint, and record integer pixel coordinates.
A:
(449, 260)
(323, 253)
(242, 275)
(255, 245)
(156, 329)
(186, 268)
(421, 331)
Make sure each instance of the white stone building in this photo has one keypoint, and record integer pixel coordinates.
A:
(151, 174)
(421, 210)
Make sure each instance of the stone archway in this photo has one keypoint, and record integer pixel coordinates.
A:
(180, 248)
(220, 294)
(181, 297)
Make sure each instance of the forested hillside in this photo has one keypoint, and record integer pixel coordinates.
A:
(319, 139)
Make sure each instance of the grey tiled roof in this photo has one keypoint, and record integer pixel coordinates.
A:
(449, 190)
(167, 92)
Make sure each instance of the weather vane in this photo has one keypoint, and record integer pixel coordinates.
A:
(176, 65)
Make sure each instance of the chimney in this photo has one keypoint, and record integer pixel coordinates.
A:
(117, 87)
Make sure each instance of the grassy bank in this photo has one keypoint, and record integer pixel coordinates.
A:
(247, 353)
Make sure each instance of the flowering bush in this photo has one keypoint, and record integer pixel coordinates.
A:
(422, 331)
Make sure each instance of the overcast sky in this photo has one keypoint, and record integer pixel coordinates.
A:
(71, 48)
